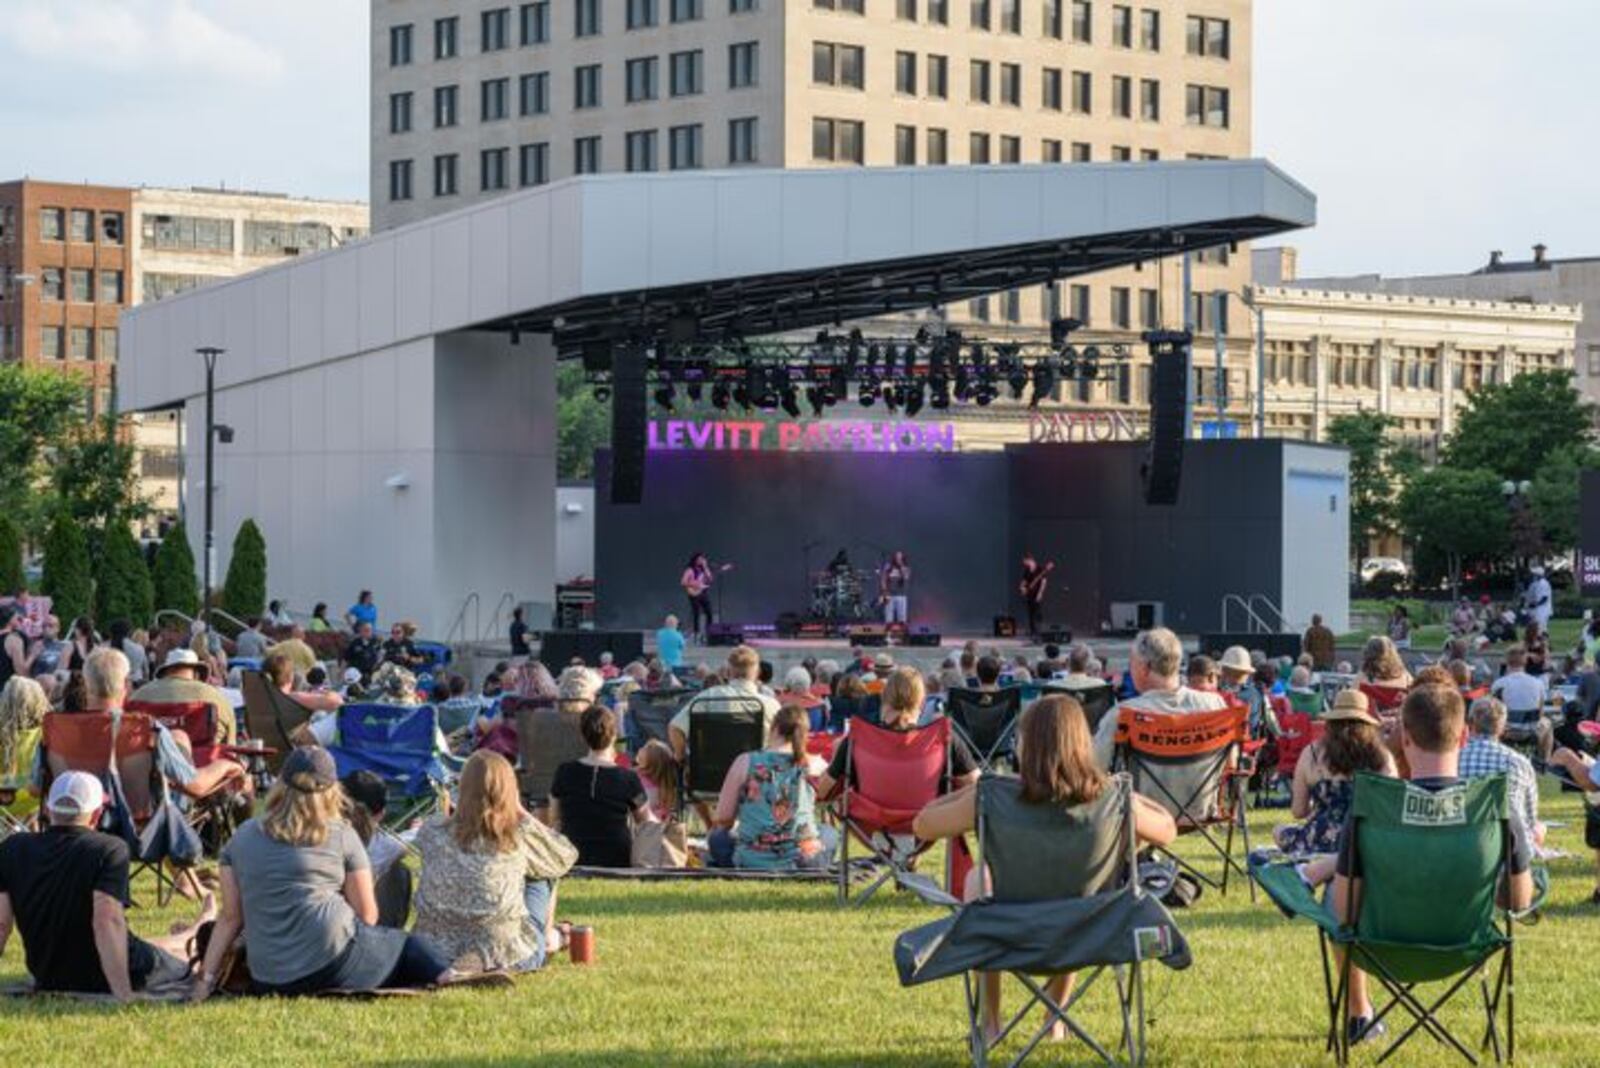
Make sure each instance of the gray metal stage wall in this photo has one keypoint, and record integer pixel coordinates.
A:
(964, 519)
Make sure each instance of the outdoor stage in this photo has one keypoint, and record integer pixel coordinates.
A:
(1254, 519)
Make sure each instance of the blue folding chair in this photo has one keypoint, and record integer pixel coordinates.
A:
(398, 743)
(437, 654)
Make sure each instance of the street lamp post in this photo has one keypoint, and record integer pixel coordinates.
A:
(210, 354)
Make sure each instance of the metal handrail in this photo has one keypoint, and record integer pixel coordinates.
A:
(188, 621)
(226, 615)
(1283, 623)
(459, 627)
(1259, 625)
(494, 620)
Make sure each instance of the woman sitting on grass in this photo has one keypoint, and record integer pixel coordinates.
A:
(298, 880)
(1061, 791)
(766, 815)
(488, 892)
(1320, 794)
(592, 800)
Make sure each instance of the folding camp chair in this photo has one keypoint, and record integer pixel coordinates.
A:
(842, 710)
(546, 739)
(1413, 846)
(986, 721)
(1096, 702)
(1385, 700)
(889, 776)
(16, 810)
(272, 718)
(214, 810)
(82, 741)
(649, 714)
(399, 743)
(1296, 732)
(1332, 684)
(1195, 766)
(720, 729)
(1522, 729)
(1062, 899)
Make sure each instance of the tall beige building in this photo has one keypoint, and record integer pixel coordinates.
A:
(473, 99)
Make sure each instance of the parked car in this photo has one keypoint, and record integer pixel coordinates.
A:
(1373, 566)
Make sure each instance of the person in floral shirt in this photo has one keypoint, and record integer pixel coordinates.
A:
(766, 815)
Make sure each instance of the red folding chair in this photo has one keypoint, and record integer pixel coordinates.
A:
(215, 789)
(1385, 700)
(889, 777)
(1195, 765)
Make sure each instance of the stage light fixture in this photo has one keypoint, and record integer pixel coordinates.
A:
(790, 401)
(665, 394)
(1060, 328)
(867, 393)
(963, 383)
(888, 361)
(1016, 376)
(1069, 361)
(1044, 380)
(695, 389)
(913, 394)
(891, 396)
(817, 399)
(719, 396)
(939, 393)
(1089, 362)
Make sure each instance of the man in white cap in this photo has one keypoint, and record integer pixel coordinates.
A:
(181, 679)
(65, 889)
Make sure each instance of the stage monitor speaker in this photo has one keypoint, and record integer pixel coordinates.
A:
(1055, 634)
(865, 634)
(1005, 627)
(558, 647)
(923, 637)
(787, 625)
(724, 634)
(1169, 391)
(628, 424)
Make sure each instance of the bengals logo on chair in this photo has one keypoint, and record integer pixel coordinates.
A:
(1182, 733)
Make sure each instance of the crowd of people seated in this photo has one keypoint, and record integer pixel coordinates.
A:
(307, 881)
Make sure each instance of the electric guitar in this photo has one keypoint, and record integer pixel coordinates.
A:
(694, 587)
(1032, 587)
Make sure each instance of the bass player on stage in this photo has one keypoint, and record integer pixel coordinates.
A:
(696, 582)
(1035, 578)
(893, 583)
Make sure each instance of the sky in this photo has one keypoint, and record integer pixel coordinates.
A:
(1431, 130)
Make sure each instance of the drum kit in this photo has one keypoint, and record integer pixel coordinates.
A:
(841, 593)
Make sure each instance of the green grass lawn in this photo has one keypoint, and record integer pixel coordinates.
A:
(758, 975)
(1431, 637)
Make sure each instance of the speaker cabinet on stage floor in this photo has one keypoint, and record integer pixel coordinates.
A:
(558, 647)
(1005, 626)
(865, 634)
(724, 634)
(924, 637)
(1055, 634)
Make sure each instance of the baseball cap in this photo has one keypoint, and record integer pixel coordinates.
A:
(352, 676)
(310, 769)
(75, 793)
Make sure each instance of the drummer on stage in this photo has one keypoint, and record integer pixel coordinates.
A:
(893, 582)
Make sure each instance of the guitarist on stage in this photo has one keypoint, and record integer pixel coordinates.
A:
(1035, 578)
(696, 582)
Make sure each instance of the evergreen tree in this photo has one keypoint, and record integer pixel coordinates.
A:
(123, 589)
(244, 591)
(11, 577)
(177, 585)
(67, 576)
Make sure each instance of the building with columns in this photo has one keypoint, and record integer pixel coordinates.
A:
(1416, 358)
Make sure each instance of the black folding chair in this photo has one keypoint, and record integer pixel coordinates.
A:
(986, 720)
(650, 713)
(1096, 702)
(843, 709)
(720, 729)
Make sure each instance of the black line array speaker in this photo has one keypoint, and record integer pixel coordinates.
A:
(1169, 386)
(628, 416)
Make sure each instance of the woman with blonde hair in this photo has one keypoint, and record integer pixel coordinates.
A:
(1385, 679)
(298, 880)
(1060, 797)
(487, 896)
(904, 695)
(23, 704)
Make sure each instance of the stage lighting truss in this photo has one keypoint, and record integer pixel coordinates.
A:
(905, 374)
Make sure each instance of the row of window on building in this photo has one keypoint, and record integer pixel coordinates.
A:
(77, 284)
(78, 343)
(1354, 365)
(832, 64)
(1130, 28)
(685, 150)
(192, 233)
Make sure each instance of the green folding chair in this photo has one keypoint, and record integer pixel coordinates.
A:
(1416, 849)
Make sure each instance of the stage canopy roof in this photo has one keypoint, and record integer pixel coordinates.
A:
(709, 253)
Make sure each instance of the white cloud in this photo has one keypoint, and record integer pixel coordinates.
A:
(136, 36)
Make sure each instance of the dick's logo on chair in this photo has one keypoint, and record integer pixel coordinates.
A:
(1424, 808)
